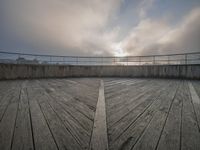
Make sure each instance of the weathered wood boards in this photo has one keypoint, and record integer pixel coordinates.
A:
(99, 139)
(47, 114)
(23, 132)
(195, 95)
(154, 114)
(138, 114)
(190, 135)
(9, 104)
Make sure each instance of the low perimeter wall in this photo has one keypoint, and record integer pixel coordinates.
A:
(21, 71)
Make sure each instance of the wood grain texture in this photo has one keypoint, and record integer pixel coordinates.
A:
(99, 139)
(99, 114)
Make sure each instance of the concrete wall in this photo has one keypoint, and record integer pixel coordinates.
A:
(15, 71)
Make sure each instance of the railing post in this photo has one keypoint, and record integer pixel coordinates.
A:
(168, 61)
(77, 60)
(63, 60)
(18, 58)
(153, 60)
(139, 60)
(186, 59)
(50, 59)
(90, 61)
(36, 59)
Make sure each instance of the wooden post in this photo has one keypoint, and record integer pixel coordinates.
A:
(153, 60)
(186, 59)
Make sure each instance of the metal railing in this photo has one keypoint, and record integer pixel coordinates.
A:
(169, 59)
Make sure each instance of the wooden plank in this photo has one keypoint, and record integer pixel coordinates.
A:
(190, 134)
(123, 89)
(43, 137)
(6, 96)
(75, 85)
(131, 135)
(125, 125)
(76, 115)
(70, 98)
(73, 125)
(126, 93)
(22, 138)
(81, 92)
(51, 116)
(112, 90)
(110, 84)
(150, 137)
(131, 92)
(73, 121)
(121, 115)
(122, 82)
(5, 87)
(113, 82)
(8, 121)
(62, 135)
(99, 139)
(196, 102)
(195, 97)
(74, 104)
(196, 85)
(171, 132)
(116, 103)
(91, 82)
(83, 104)
(131, 95)
(131, 114)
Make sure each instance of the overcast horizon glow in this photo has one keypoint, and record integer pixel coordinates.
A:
(100, 27)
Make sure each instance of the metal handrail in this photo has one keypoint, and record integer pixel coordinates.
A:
(171, 59)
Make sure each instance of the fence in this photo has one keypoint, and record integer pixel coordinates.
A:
(170, 59)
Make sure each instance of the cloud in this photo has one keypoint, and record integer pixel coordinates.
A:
(84, 27)
(70, 26)
(144, 7)
(159, 37)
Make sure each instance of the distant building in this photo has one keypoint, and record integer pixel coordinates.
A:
(22, 60)
(7, 61)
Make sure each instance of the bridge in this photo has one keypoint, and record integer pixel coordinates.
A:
(102, 106)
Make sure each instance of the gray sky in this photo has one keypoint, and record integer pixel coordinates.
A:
(100, 27)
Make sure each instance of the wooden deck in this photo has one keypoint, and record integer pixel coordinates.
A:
(68, 114)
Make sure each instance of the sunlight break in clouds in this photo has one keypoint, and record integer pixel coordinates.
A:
(68, 26)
